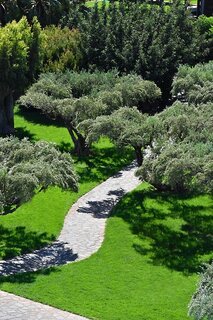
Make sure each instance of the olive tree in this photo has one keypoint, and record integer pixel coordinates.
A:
(26, 168)
(181, 158)
(188, 80)
(125, 127)
(73, 98)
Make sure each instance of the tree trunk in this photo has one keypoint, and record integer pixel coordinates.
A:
(81, 148)
(2, 15)
(6, 115)
(139, 155)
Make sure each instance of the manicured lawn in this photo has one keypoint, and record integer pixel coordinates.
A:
(40, 220)
(146, 268)
(154, 244)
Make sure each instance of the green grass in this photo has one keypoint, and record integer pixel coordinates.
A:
(39, 221)
(154, 243)
(142, 270)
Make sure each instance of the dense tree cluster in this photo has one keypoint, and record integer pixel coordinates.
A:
(26, 168)
(47, 11)
(149, 40)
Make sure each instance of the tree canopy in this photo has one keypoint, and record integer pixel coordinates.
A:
(201, 305)
(125, 127)
(152, 41)
(26, 168)
(181, 157)
(73, 98)
(194, 83)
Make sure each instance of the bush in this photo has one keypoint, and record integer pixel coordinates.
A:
(191, 79)
(26, 168)
(201, 305)
(181, 155)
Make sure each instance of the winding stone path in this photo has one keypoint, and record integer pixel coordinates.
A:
(81, 236)
(83, 230)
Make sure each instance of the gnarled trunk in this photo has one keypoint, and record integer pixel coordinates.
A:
(6, 115)
(81, 147)
(2, 15)
(139, 155)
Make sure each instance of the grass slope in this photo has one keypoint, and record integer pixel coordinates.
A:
(139, 273)
(39, 221)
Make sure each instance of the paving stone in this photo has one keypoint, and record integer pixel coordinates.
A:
(16, 308)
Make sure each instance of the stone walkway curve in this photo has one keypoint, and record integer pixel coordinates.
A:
(83, 230)
(81, 236)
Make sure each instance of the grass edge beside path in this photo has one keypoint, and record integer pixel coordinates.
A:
(39, 221)
(120, 281)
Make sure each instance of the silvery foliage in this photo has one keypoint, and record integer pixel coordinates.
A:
(201, 305)
(26, 168)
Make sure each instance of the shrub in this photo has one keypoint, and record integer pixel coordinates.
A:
(26, 168)
(201, 305)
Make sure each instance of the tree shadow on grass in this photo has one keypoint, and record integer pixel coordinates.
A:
(17, 248)
(17, 241)
(22, 132)
(35, 116)
(103, 163)
(174, 231)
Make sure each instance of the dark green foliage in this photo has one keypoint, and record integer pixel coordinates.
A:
(11, 11)
(149, 40)
(47, 11)
(204, 26)
(61, 49)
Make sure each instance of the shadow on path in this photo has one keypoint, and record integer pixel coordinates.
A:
(101, 209)
(16, 241)
(53, 255)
